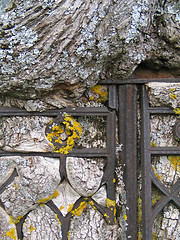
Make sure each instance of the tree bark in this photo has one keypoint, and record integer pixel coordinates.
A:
(54, 44)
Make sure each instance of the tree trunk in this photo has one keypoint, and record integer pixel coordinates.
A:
(47, 45)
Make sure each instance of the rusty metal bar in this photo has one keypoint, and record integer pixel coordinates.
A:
(111, 145)
(84, 152)
(160, 110)
(113, 100)
(128, 137)
(138, 81)
(77, 111)
(108, 152)
(148, 176)
(146, 164)
(165, 150)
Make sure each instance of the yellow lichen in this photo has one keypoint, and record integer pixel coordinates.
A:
(103, 95)
(177, 110)
(114, 211)
(156, 173)
(11, 233)
(173, 96)
(154, 236)
(172, 90)
(43, 200)
(114, 180)
(31, 228)
(70, 207)
(91, 203)
(175, 162)
(79, 210)
(139, 218)
(58, 220)
(56, 193)
(153, 144)
(105, 215)
(68, 235)
(15, 220)
(139, 235)
(155, 197)
(16, 186)
(125, 217)
(61, 207)
(110, 203)
(72, 129)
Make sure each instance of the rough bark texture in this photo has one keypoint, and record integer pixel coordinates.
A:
(51, 52)
(55, 44)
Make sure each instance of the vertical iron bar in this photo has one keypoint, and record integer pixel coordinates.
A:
(111, 147)
(146, 164)
(113, 101)
(128, 137)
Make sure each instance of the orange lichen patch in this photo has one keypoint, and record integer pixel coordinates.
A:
(56, 193)
(175, 162)
(79, 210)
(11, 233)
(103, 95)
(110, 203)
(70, 207)
(91, 98)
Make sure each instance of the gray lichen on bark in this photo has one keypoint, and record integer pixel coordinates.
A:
(25, 134)
(37, 180)
(91, 226)
(42, 223)
(50, 43)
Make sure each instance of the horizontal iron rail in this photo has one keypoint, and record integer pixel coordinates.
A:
(77, 111)
(139, 81)
(75, 152)
(160, 110)
(165, 150)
